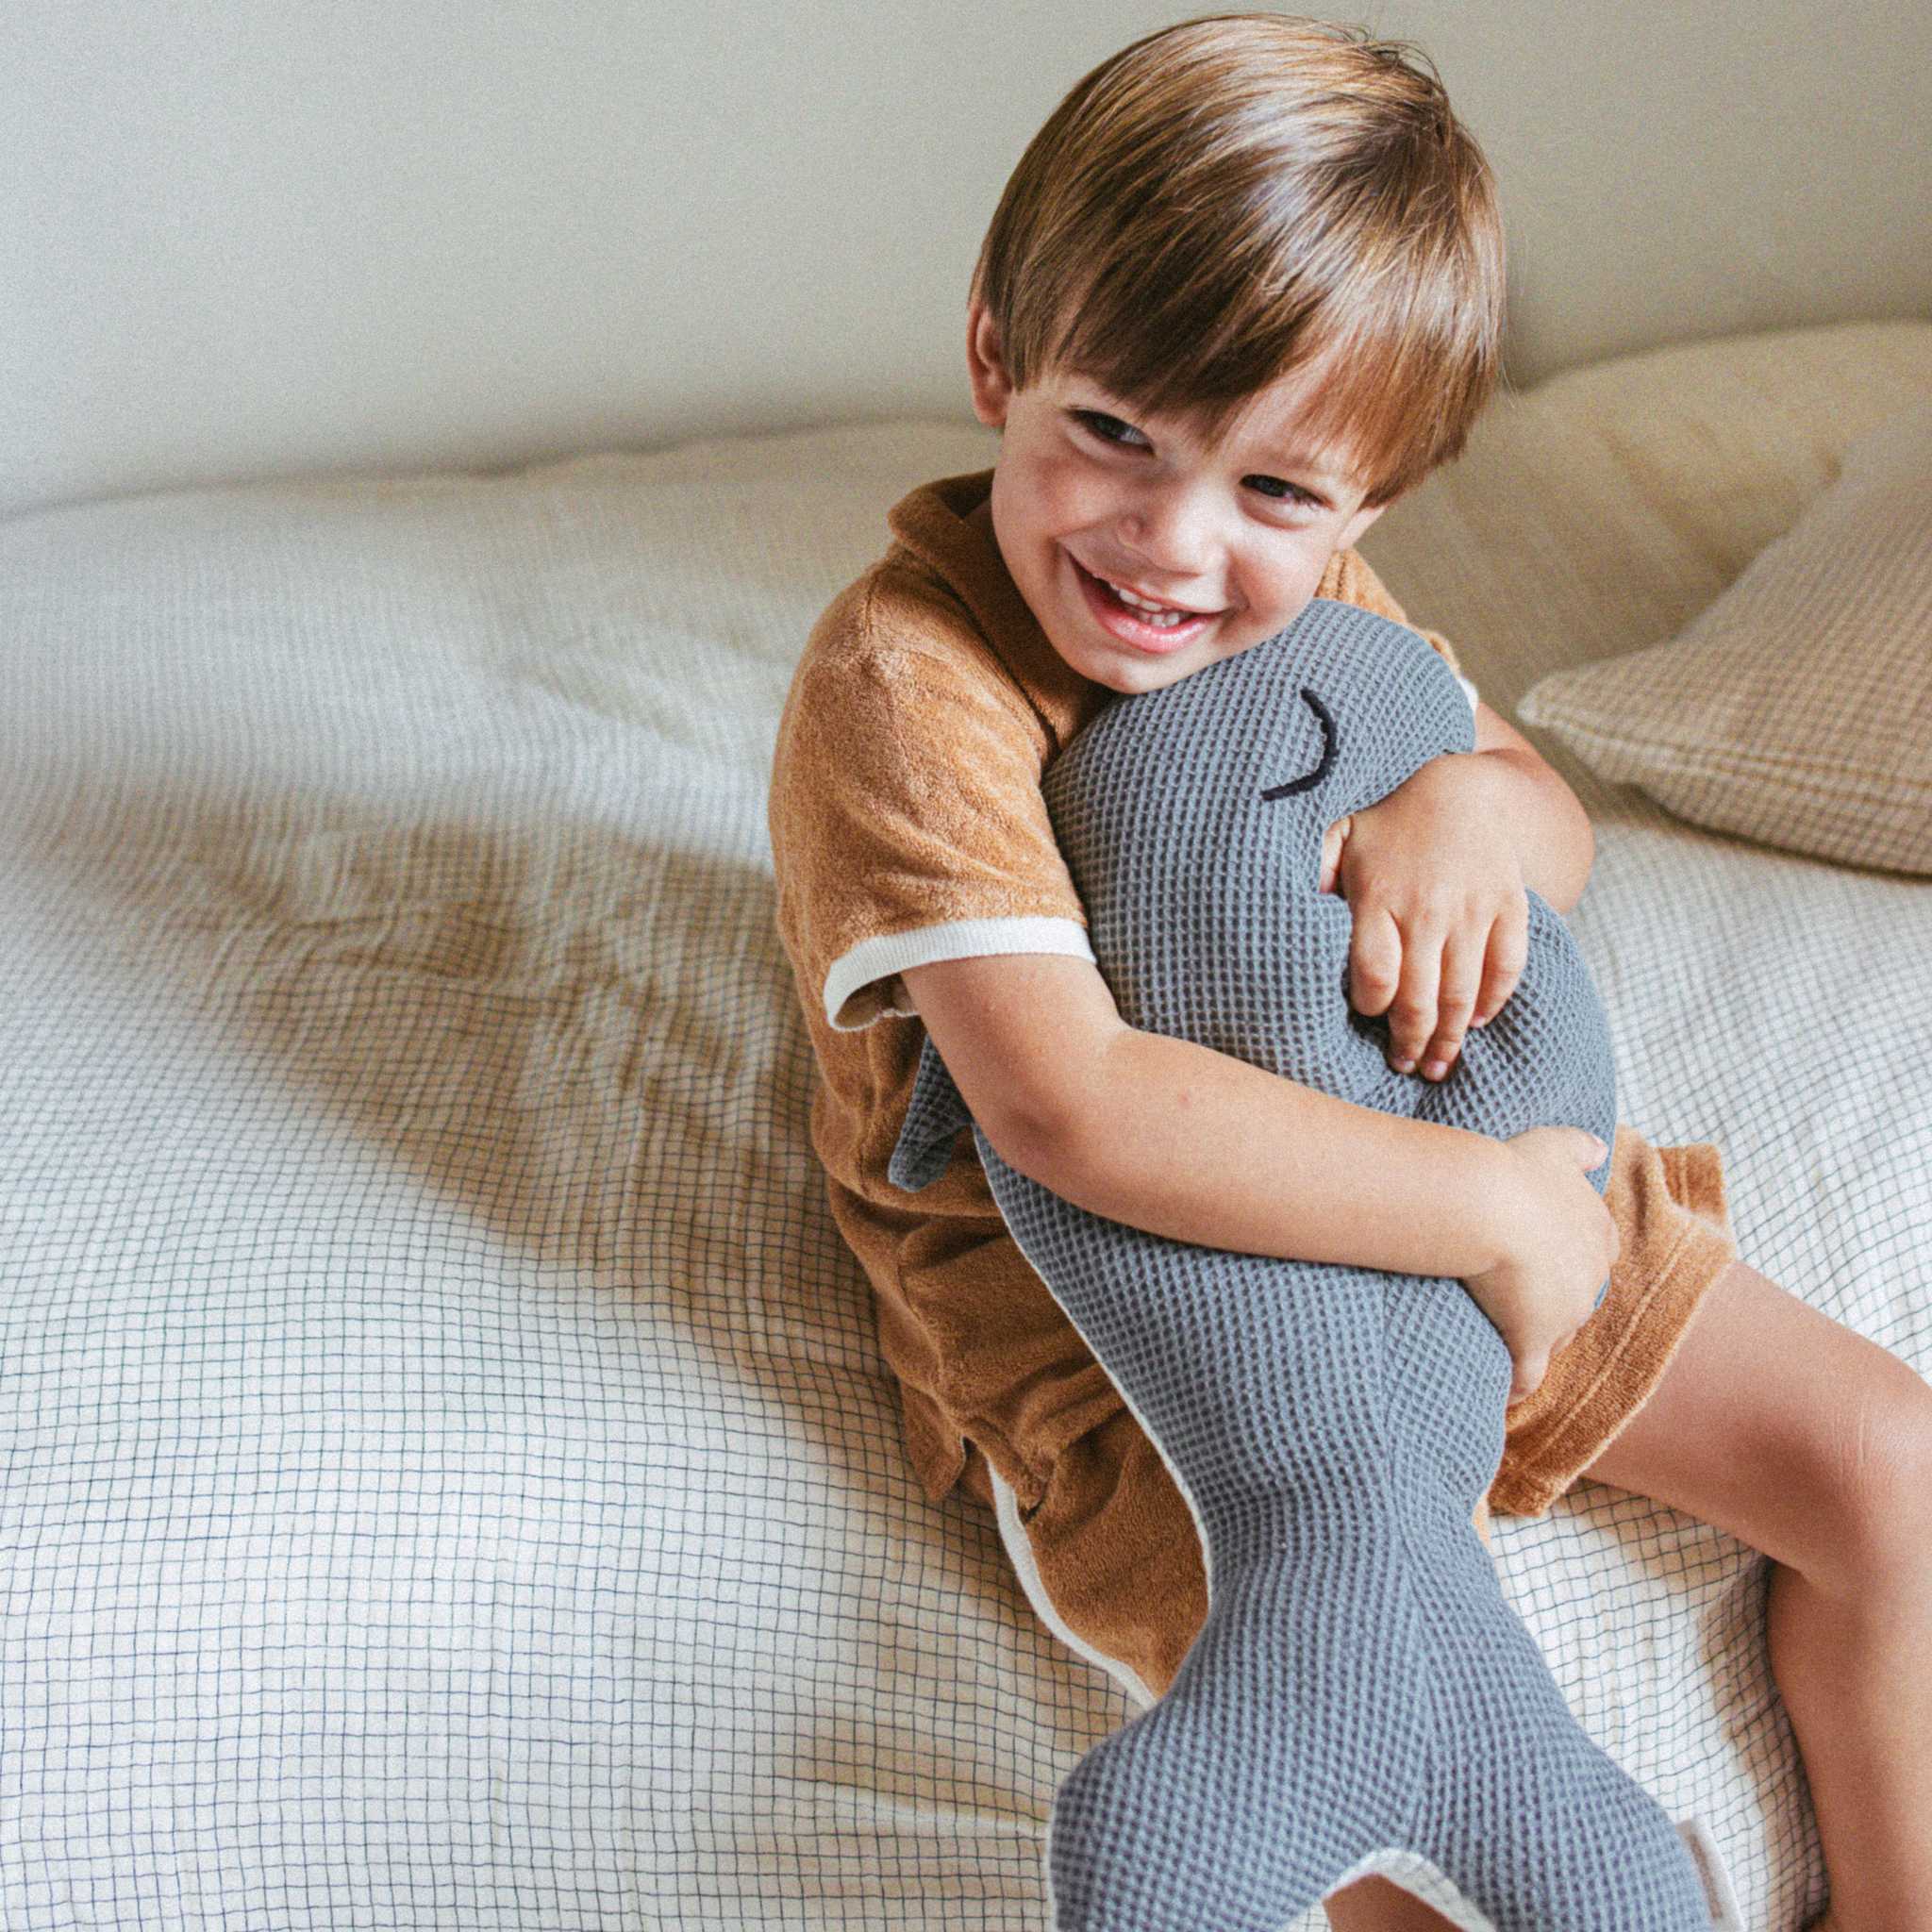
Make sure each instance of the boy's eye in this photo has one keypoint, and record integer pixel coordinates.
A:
(1283, 492)
(1108, 428)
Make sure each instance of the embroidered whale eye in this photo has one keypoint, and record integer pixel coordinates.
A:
(1309, 780)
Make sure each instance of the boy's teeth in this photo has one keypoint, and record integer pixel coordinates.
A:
(1157, 613)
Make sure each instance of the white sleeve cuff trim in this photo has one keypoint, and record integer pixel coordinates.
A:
(955, 939)
(1467, 691)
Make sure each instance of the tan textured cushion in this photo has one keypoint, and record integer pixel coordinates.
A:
(1797, 708)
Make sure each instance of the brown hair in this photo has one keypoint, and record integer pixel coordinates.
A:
(1243, 195)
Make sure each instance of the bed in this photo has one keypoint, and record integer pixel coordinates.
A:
(449, 1478)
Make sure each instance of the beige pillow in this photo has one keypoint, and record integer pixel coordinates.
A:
(1796, 710)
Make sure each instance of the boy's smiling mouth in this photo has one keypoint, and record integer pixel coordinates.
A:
(1136, 619)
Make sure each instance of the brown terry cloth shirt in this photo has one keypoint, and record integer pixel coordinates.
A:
(907, 826)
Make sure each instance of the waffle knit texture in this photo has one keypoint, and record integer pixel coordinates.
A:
(1360, 1682)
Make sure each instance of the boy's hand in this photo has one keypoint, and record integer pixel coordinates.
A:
(1441, 920)
(1556, 1242)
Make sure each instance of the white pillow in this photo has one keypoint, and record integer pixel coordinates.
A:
(1797, 708)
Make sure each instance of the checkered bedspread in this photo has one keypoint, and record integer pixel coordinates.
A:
(448, 1476)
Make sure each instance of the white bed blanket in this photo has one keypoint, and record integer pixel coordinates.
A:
(449, 1479)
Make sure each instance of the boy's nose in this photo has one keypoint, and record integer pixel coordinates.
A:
(1171, 530)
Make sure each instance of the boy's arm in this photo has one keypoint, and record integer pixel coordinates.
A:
(1550, 828)
(1190, 1143)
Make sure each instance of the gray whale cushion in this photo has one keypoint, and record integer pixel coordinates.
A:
(1360, 1684)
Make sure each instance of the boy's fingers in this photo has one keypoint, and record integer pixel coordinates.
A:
(1462, 970)
(1413, 1018)
(1374, 960)
(1508, 950)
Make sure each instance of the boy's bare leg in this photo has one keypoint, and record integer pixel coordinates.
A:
(1814, 1445)
(1373, 1904)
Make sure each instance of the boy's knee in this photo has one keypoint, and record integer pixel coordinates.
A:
(1882, 1477)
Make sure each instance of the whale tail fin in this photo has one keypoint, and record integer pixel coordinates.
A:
(1290, 1756)
(1537, 1825)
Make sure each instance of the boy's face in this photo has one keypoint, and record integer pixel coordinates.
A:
(1100, 510)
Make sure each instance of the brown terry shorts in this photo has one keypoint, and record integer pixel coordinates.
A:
(1109, 1555)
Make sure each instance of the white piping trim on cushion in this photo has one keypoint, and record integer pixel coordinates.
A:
(955, 939)
(1725, 1914)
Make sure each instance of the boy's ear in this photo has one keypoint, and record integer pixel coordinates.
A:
(986, 367)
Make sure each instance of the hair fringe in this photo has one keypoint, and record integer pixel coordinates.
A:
(1239, 197)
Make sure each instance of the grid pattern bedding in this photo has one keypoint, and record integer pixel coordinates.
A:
(448, 1478)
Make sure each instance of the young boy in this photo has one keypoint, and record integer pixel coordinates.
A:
(1243, 292)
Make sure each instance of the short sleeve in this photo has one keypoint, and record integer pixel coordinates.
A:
(907, 824)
